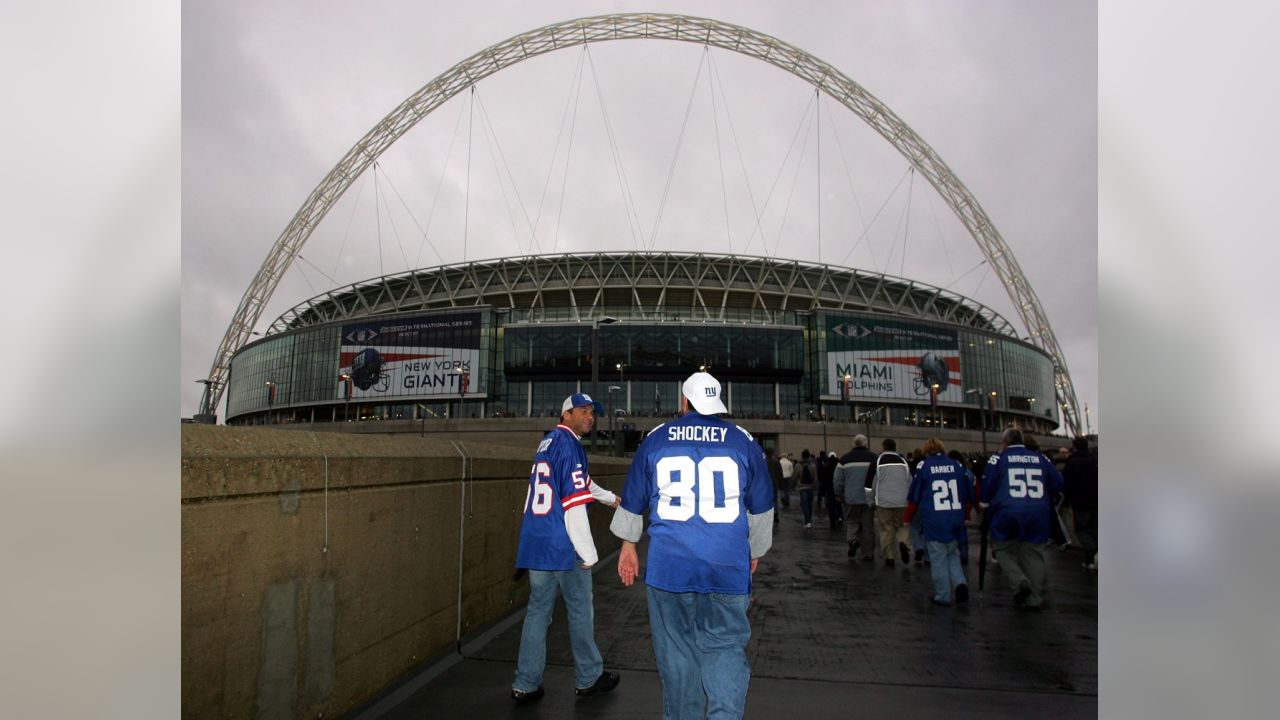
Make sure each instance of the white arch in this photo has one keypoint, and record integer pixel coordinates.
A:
(639, 26)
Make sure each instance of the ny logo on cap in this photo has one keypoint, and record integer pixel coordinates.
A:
(711, 392)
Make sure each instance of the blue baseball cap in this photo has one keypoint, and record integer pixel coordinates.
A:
(578, 400)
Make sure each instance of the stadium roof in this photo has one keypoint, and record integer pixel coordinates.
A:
(652, 286)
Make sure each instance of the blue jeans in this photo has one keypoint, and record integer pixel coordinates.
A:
(944, 566)
(806, 504)
(700, 642)
(576, 586)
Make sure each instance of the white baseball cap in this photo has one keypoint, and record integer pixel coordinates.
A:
(703, 392)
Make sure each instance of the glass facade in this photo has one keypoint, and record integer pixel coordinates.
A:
(650, 351)
(486, 362)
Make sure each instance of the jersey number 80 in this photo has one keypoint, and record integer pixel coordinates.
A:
(680, 480)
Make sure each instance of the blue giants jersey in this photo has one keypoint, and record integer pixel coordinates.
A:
(1019, 485)
(698, 477)
(557, 482)
(941, 491)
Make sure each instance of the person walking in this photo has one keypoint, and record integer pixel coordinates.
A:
(826, 488)
(705, 485)
(775, 475)
(788, 473)
(849, 485)
(940, 491)
(1018, 488)
(1081, 487)
(973, 493)
(914, 460)
(807, 484)
(557, 549)
(891, 479)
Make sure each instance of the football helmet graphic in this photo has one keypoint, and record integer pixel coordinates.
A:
(366, 369)
(933, 370)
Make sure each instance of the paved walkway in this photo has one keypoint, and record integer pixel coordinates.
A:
(829, 635)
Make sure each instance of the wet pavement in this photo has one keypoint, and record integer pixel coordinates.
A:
(829, 634)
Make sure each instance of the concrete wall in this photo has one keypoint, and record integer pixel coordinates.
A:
(319, 567)
(793, 436)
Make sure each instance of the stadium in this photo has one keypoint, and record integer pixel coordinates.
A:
(493, 346)
(792, 342)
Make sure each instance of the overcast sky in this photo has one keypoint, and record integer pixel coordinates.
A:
(1004, 91)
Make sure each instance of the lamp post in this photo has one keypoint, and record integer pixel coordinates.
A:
(595, 361)
(612, 412)
(847, 391)
(271, 399)
(464, 379)
(346, 396)
(622, 384)
(1031, 404)
(933, 403)
(982, 419)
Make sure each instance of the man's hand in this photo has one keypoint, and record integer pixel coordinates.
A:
(754, 563)
(617, 501)
(628, 563)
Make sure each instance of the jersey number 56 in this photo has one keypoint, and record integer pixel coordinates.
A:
(682, 485)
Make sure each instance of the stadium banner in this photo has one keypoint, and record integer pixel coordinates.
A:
(887, 359)
(420, 356)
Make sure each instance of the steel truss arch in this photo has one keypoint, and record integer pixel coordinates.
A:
(683, 28)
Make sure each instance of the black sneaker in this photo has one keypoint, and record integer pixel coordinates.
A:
(905, 552)
(919, 558)
(522, 696)
(888, 562)
(962, 594)
(1020, 597)
(603, 684)
(853, 550)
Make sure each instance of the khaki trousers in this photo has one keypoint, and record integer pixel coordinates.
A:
(892, 531)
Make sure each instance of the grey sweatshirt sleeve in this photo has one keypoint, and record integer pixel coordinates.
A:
(629, 526)
(759, 533)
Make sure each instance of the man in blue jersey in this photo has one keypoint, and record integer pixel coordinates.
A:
(941, 493)
(557, 549)
(705, 484)
(1020, 486)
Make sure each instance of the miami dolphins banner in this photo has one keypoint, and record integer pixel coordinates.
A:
(870, 358)
(425, 355)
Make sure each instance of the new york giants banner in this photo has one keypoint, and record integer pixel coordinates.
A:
(427, 355)
(891, 359)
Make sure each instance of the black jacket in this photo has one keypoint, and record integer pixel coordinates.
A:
(1080, 478)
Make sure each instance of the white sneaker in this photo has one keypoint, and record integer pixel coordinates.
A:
(808, 525)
